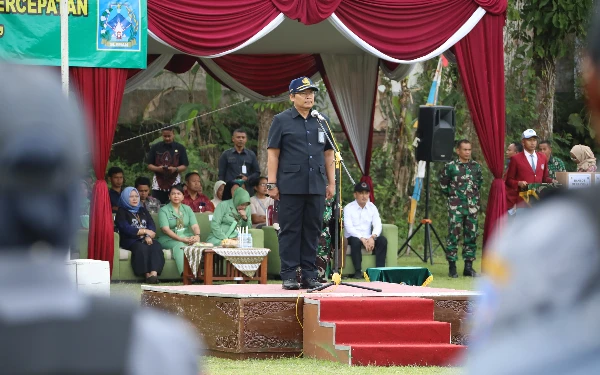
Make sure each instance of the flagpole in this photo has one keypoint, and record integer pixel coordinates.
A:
(64, 45)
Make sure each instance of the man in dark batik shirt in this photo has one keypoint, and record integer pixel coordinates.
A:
(167, 159)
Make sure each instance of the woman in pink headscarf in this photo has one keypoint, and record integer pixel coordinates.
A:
(584, 157)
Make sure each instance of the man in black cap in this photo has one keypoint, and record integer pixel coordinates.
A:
(300, 175)
(362, 228)
(46, 326)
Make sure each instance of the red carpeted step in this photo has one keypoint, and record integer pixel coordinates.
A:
(384, 309)
(407, 355)
(351, 333)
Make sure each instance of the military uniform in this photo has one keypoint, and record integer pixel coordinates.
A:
(324, 250)
(302, 181)
(555, 165)
(461, 183)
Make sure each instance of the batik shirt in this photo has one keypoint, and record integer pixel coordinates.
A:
(461, 183)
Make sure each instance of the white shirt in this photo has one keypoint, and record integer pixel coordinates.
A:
(361, 222)
(528, 156)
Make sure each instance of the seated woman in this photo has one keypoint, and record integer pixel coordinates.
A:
(178, 224)
(229, 215)
(584, 157)
(137, 232)
(230, 188)
(219, 188)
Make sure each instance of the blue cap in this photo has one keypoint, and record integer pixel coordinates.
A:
(301, 84)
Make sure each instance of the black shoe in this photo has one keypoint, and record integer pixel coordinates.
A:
(469, 271)
(310, 284)
(452, 270)
(290, 284)
(358, 275)
(152, 280)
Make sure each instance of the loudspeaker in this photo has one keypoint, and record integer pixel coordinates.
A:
(436, 132)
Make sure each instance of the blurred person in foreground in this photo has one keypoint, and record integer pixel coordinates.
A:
(46, 326)
(541, 294)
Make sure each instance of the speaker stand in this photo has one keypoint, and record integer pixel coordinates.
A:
(427, 224)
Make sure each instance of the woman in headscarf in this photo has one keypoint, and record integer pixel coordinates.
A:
(218, 195)
(230, 188)
(584, 157)
(229, 215)
(137, 233)
(179, 225)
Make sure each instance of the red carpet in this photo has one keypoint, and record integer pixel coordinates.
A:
(388, 331)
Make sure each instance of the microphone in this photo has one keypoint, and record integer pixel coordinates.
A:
(316, 114)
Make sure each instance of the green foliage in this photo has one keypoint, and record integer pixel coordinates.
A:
(546, 24)
(213, 92)
(130, 171)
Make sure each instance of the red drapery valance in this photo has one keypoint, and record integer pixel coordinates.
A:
(309, 12)
(101, 91)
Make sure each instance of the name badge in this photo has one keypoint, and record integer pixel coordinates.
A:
(244, 170)
(321, 136)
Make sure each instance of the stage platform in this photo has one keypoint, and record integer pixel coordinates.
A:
(263, 321)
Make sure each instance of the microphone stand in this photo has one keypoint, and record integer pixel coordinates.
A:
(337, 213)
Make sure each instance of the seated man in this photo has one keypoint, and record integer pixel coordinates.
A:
(259, 203)
(193, 196)
(151, 204)
(362, 228)
(116, 178)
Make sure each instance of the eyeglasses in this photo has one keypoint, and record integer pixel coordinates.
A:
(262, 184)
(304, 94)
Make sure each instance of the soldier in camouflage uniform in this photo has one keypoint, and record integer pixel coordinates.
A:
(554, 163)
(461, 181)
(325, 247)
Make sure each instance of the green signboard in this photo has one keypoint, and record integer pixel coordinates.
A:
(102, 33)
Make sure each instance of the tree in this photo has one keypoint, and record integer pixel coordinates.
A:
(541, 30)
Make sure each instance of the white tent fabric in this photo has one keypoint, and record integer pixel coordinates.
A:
(353, 80)
(152, 70)
(241, 89)
(460, 33)
(402, 71)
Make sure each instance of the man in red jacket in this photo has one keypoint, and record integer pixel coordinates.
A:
(526, 167)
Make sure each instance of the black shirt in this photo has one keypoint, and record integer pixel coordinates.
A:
(301, 160)
(231, 162)
(114, 199)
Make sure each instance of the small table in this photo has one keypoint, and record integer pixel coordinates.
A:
(419, 276)
(219, 268)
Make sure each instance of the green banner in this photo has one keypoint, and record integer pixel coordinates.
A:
(102, 33)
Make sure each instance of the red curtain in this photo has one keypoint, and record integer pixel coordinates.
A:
(268, 75)
(405, 29)
(309, 12)
(101, 91)
(208, 27)
(480, 57)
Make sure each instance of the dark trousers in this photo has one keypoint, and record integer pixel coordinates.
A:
(300, 222)
(146, 258)
(161, 195)
(380, 251)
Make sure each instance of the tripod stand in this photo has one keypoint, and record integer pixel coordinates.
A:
(336, 278)
(427, 224)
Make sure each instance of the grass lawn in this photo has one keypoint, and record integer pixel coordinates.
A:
(217, 366)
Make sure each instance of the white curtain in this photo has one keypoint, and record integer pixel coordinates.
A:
(145, 75)
(460, 33)
(241, 89)
(402, 71)
(353, 80)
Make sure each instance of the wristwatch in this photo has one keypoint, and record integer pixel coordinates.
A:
(271, 185)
